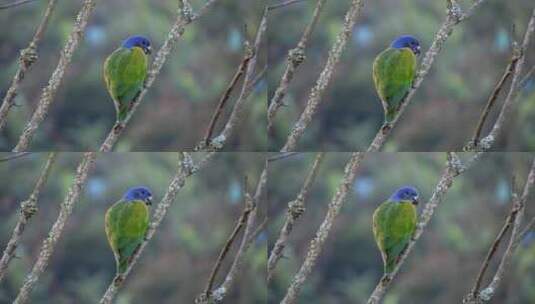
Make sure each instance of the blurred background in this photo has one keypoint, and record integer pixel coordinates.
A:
(175, 265)
(444, 111)
(444, 263)
(177, 109)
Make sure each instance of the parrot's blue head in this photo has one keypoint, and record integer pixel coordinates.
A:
(406, 193)
(407, 41)
(138, 41)
(138, 194)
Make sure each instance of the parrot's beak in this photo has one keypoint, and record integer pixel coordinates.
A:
(149, 201)
(148, 50)
(415, 201)
(417, 50)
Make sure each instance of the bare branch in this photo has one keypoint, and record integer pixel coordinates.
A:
(454, 168)
(516, 83)
(515, 219)
(235, 118)
(325, 77)
(47, 249)
(49, 92)
(184, 17)
(28, 57)
(249, 53)
(185, 169)
(296, 56)
(14, 4)
(492, 99)
(27, 209)
(13, 156)
(316, 245)
(295, 210)
(219, 294)
(248, 207)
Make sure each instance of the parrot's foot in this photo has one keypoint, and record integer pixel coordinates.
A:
(119, 125)
(119, 278)
(386, 127)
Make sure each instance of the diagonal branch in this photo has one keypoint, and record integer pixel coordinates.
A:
(235, 118)
(249, 53)
(242, 221)
(15, 4)
(184, 17)
(296, 56)
(47, 249)
(492, 99)
(27, 209)
(324, 79)
(295, 210)
(316, 245)
(514, 220)
(49, 92)
(185, 169)
(13, 156)
(516, 84)
(28, 57)
(219, 294)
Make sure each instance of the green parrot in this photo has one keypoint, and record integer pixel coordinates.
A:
(393, 73)
(125, 71)
(394, 223)
(126, 224)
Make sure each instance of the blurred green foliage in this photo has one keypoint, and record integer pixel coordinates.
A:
(177, 262)
(445, 109)
(446, 259)
(175, 113)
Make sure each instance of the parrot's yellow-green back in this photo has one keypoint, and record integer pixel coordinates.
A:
(393, 74)
(126, 226)
(393, 226)
(125, 71)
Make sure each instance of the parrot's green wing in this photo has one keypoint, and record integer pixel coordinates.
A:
(126, 226)
(393, 226)
(393, 73)
(124, 73)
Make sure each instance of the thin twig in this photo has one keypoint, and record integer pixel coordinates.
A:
(219, 294)
(185, 169)
(248, 207)
(47, 249)
(515, 218)
(492, 99)
(454, 16)
(283, 4)
(494, 247)
(184, 17)
(453, 168)
(249, 53)
(316, 245)
(296, 56)
(27, 209)
(284, 155)
(295, 209)
(324, 79)
(49, 92)
(14, 4)
(507, 106)
(28, 57)
(235, 118)
(13, 156)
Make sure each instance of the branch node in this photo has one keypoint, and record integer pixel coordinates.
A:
(296, 208)
(29, 208)
(296, 56)
(28, 56)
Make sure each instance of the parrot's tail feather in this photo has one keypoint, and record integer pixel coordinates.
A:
(390, 115)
